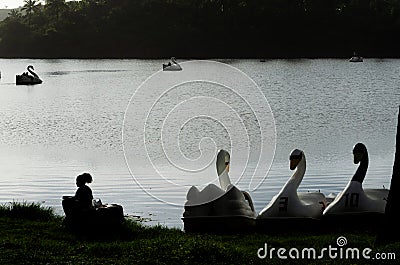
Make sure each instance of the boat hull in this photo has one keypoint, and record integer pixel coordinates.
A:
(356, 59)
(27, 80)
(173, 67)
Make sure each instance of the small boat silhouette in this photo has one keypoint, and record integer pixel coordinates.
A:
(30, 78)
(356, 58)
(172, 65)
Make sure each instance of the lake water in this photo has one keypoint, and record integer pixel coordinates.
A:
(146, 136)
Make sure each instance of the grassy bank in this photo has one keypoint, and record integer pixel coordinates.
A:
(32, 234)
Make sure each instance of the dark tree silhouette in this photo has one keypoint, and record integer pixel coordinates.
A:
(15, 14)
(55, 7)
(205, 28)
(391, 230)
(30, 6)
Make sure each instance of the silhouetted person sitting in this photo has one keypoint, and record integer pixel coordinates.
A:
(79, 209)
(83, 195)
(82, 215)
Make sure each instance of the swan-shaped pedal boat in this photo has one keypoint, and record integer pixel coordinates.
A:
(356, 58)
(355, 207)
(290, 209)
(30, 78)
(172, 65)
(219, 210)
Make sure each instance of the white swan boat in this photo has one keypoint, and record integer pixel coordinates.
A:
(30, 78)
(172, 65)
(355, 205)
(215, 209)
(292, 209)
(356, 59)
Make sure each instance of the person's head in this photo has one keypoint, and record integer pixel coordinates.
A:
(82, 179)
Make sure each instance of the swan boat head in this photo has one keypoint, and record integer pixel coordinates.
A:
(354, 198)
(359, 150)
(360, 156)
(222, 163)
(297, 161)
(223, 160)
(31, 71)
(295, 157)
(288, 202)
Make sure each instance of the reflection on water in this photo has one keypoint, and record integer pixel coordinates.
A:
(72, 123)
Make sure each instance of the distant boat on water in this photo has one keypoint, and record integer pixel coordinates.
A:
(172, 65)
(356, 58)
(30, 78)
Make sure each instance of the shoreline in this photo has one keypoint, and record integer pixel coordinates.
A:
(193, 57)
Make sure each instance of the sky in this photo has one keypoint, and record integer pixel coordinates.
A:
(12, 3)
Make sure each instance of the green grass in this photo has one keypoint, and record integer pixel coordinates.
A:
(26, 210)
(32, 234)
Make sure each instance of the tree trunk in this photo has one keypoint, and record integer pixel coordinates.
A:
(390, 231)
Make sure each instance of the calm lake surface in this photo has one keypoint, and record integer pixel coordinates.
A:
(82, 119)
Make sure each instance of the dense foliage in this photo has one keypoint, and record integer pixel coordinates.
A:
(202, 28)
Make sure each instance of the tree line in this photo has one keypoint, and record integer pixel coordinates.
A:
(202, 29)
